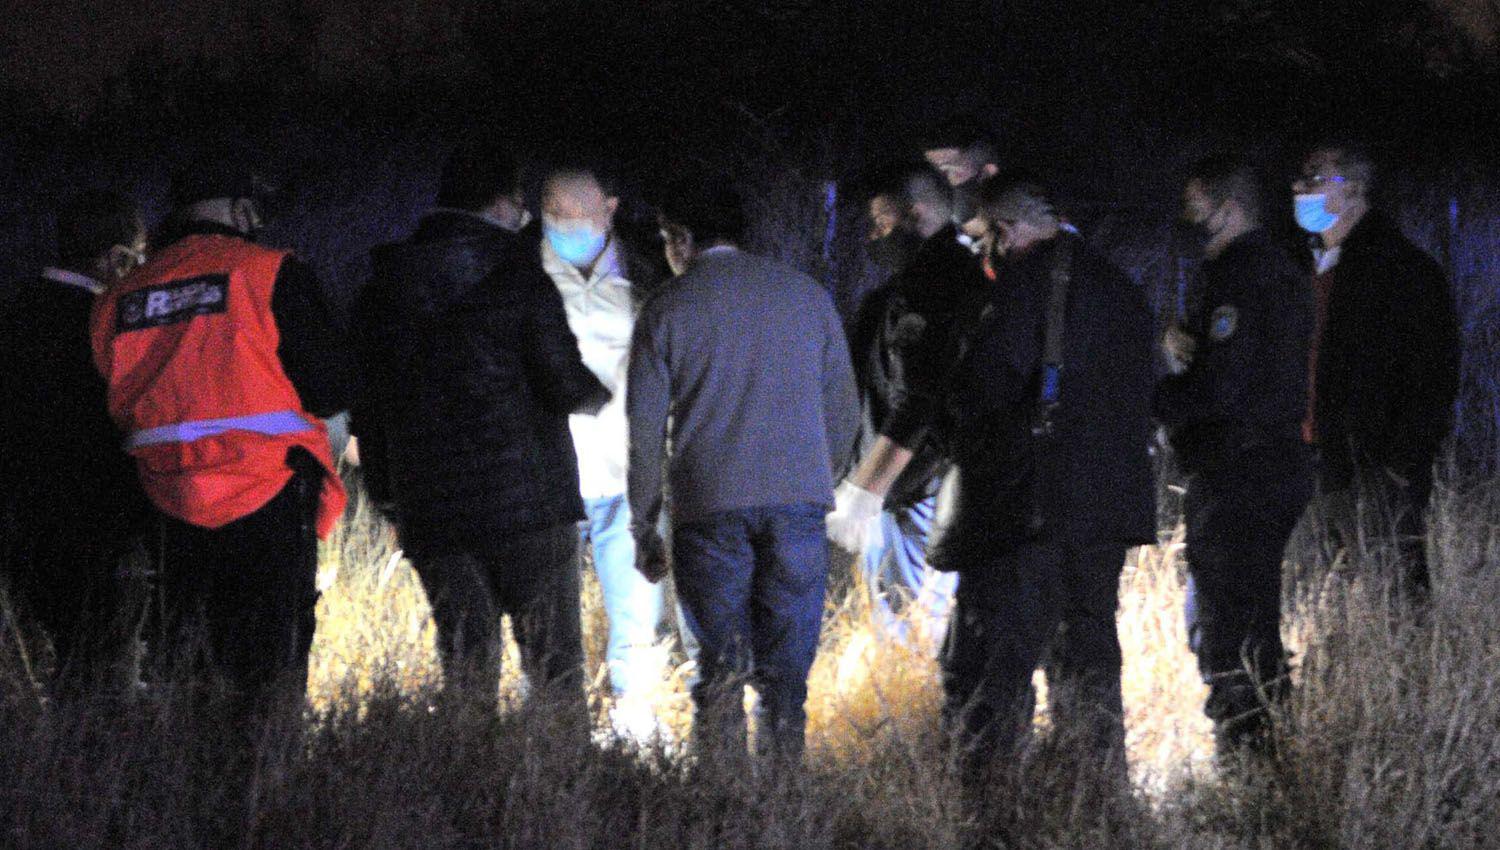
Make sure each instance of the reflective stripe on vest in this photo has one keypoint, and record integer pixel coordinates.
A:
(271, 424)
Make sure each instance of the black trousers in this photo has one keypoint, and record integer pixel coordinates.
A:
(1239, 517)
(79, 592)
(238, 602)
(533, 578)
(1040, 603)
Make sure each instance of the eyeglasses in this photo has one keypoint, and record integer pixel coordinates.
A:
(1315, 180)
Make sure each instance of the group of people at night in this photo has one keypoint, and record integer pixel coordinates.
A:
(530, 380)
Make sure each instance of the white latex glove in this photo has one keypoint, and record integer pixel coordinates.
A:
(856, 511)
(1179, 346)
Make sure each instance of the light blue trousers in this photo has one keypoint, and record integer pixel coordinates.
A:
(632, 604)
(906, 591)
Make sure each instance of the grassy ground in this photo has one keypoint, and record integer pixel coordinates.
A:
(1393, 740)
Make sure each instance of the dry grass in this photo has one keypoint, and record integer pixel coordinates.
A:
(1394, 740)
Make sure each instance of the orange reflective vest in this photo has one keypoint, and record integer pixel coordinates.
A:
(188, 345)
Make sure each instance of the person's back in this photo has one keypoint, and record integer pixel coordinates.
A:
(471, 373)
(222, 356)
(741, 390)
(745, 341)
(477, 433)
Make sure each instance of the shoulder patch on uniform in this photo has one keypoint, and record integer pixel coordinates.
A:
(176, 301)
(1223, 323)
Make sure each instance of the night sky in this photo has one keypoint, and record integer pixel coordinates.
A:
(1041, 64)
(64, 49)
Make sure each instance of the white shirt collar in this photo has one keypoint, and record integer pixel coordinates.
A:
(717, 249)
(72, 278)
(1327, 258)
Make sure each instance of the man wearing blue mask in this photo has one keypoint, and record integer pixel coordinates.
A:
(600, 279)
(1384, 362)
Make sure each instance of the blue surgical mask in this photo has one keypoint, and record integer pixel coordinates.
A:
(1312, 213)
(576, 241)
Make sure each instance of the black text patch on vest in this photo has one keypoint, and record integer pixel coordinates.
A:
(173, 302)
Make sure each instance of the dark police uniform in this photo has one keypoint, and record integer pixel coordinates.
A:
(1233, 418)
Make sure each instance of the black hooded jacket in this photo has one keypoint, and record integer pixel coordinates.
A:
(471, 373)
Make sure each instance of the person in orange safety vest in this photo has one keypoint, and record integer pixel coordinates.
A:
(222, 357)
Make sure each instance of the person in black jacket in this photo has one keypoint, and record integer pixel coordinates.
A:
(73, 493)
(463, 428)
(1047, 420)
(1232, 413)
(902, 344)
(1385, 361)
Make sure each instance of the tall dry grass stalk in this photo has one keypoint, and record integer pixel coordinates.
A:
(1392, 739)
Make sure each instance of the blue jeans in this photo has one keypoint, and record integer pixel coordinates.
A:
(633, 605)
(752, 584)
(896, 571)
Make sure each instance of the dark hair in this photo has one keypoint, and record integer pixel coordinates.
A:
(964, 132)
(215, 174)
(90, 223)
(921, 183)
(883, 180)
(903, 183)
(708, 207)
(1230, 175)
(1352, 156)
(579, 163)
(1029, 194)
(475, 175)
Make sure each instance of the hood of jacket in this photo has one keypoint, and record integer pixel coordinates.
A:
(447, 261)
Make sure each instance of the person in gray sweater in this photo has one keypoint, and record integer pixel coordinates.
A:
(741, 403)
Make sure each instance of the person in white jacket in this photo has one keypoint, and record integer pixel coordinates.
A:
(595, 273)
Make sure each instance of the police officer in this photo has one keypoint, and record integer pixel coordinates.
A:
(1232, 411)
(221, 355)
